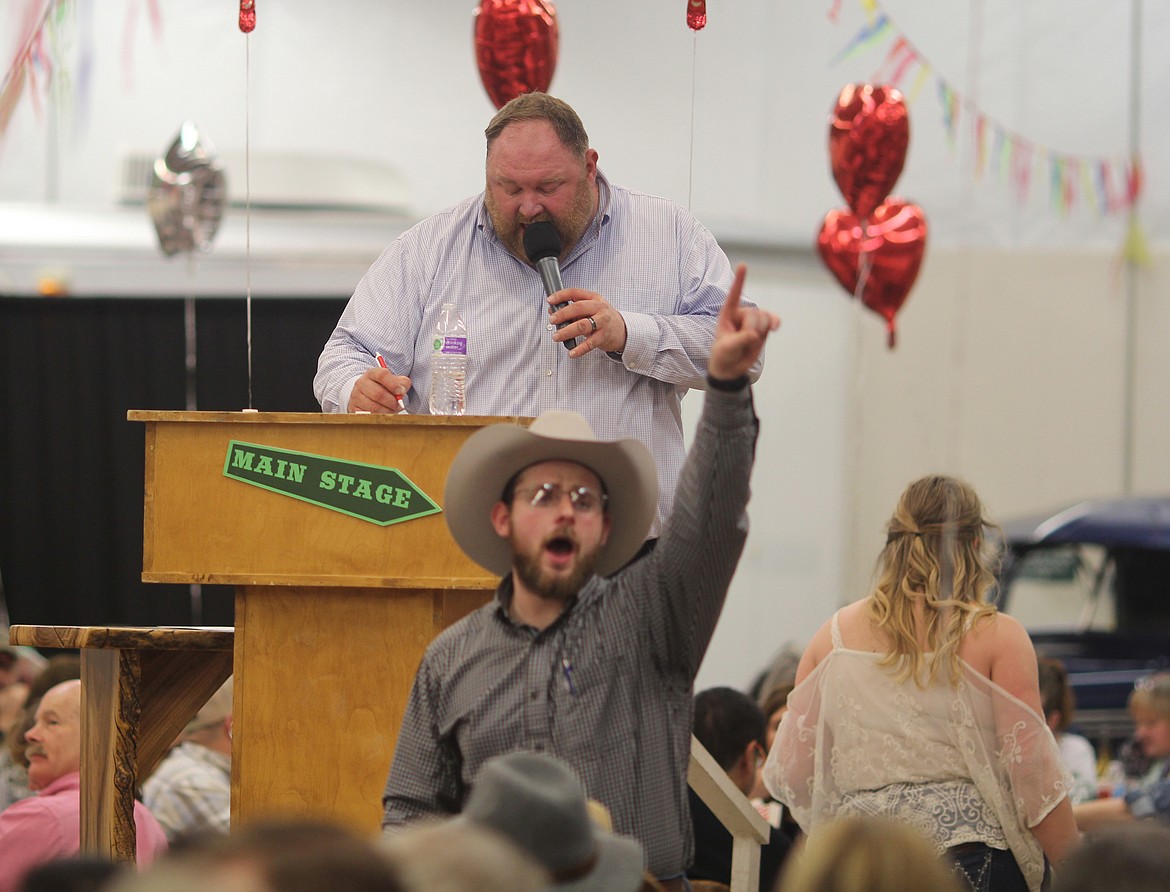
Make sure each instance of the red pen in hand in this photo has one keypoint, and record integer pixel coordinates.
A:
(382, 362)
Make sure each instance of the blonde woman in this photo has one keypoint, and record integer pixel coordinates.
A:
(921, 703)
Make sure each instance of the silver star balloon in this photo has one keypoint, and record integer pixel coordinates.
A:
(187, 193)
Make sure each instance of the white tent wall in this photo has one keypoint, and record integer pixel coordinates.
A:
(1011, 362)
(1010, 371)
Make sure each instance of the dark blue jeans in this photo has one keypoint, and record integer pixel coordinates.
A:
(985, 869)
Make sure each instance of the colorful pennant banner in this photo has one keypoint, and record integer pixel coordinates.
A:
(51, 40)
(1104, 185)
(36, 58)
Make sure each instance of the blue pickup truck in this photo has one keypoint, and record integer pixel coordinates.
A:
(1091, 583)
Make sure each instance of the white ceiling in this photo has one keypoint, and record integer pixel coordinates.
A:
(730, 120)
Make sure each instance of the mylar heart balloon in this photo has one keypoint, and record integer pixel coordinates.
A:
(887, 252)
(187, 192)
(515, 47)
(868, 134)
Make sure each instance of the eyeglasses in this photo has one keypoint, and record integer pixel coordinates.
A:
(584, 499)
(1158, 681)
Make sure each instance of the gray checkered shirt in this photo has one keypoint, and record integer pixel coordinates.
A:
(608, 686)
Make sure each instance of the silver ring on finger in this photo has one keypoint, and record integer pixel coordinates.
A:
(593, 322)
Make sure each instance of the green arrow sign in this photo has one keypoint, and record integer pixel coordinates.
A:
(370, 492)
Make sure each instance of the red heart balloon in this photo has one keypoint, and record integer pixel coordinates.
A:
(868, 134)
(889, 250)
(515, 47)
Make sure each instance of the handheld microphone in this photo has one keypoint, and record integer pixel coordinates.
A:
(542, 244)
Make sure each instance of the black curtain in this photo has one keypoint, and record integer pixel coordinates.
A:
(71, 465)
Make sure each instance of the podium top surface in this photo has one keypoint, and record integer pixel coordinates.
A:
(246, 417)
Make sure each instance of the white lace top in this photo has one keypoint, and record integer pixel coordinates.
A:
(969, 763)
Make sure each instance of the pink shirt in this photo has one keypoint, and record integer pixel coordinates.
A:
(48, 825)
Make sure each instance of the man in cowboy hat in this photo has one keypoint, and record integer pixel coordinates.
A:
(576, 656)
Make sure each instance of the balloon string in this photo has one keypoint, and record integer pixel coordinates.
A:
(191, 360)
(856, 416)
(864, 263)
(190, 355)
(691, 160)
(248, 204)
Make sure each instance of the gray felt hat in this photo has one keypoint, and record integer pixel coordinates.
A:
(539, 804)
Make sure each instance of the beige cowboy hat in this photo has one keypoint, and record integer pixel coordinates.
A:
(493, 455)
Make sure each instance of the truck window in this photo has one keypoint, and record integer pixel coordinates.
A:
(1063, 588)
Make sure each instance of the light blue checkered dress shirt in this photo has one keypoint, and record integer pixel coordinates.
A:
(650, 258)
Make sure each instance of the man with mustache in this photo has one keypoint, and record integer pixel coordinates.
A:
(48, 826)
(576, 658)
(644, 282)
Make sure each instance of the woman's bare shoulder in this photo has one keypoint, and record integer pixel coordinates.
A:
(994, 641)
(821, 643)
(856, 614)
(997, 630)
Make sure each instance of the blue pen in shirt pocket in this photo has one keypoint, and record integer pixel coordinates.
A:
(567, 667)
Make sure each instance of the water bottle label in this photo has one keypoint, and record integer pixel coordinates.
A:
(451, 346)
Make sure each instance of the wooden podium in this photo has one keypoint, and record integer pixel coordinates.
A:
(332, 612)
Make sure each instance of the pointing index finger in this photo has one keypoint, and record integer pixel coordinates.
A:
(731, 304)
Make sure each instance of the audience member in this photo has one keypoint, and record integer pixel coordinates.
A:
(538, 803)
(446, 856)
(19, 665)
(79, 873)
(272, 855)
(869, 854)
(730, 725)
(774, 704)
(48, 825)
(190, 791)
(921, 702)
(185, 876)
(1130, 858)
(13, 764)
(655, 280)
(1149, 704)
(573, 657)
(1056, 695)
(13, 689)
(781, 670)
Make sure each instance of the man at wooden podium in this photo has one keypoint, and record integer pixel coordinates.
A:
(596, 669)
(642, 284)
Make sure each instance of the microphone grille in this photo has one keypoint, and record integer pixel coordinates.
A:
(541, 240)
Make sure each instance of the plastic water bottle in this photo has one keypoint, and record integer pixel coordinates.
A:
(1112, 780)
(449, 363)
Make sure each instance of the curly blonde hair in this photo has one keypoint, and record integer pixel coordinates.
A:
(936, 555)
